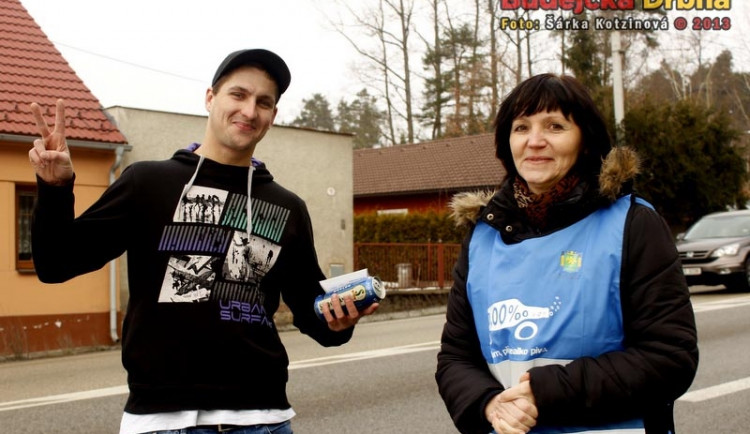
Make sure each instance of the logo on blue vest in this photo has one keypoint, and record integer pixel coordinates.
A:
(512, 313)
(570, 261)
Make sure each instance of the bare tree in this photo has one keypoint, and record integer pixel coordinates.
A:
(404, 14)
(435, 82)
(375, 23)
(475, 77)
(494, 76)
(679, 85)
(457, 42)
(519, 40)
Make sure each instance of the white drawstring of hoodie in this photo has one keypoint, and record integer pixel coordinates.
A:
(248, 206)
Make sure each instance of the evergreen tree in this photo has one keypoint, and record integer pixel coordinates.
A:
(690, 164)
(316, 113)
(587, 62)
(362, 118)
(469, 75)
(436, 87)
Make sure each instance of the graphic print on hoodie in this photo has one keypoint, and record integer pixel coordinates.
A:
(215, 258)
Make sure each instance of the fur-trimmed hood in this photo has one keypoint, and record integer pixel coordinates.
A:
(620, 166)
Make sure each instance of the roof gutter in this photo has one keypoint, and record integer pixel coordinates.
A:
(83, 144)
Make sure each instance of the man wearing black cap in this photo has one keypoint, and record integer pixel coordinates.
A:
(241, 104)
(199, 343)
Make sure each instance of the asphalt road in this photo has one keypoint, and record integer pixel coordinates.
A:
(381, 382)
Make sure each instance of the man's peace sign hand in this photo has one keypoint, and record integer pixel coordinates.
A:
(50, 155)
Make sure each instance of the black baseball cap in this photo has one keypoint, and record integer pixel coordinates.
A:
(271, 62)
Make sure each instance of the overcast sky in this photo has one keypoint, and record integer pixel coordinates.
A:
(162, 54)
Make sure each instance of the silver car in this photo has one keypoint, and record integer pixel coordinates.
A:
(714, 250)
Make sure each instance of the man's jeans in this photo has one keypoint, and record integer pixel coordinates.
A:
(279, 428)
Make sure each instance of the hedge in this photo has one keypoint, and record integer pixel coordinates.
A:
(423, 227)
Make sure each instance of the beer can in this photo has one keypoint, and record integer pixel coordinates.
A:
(364, 292)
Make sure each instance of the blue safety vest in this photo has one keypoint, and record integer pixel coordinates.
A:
(550, 300)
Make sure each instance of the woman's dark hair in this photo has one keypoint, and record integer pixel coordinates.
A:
(550, 92)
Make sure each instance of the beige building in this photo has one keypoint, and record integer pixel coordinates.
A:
(314, 164)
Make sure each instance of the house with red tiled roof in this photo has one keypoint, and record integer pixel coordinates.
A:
(35, 317)
(424, 176)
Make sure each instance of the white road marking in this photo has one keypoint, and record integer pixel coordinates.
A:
(722, 304)
(716, 391)
(65, 397)
(692, 396)
(301, 364)
(372, 354)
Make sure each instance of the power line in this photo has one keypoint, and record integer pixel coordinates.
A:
(148, 68)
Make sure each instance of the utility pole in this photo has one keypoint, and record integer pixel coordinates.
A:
(617, 87)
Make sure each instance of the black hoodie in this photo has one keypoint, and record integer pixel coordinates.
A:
(199, 331)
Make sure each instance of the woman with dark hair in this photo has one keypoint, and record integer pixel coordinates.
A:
(569, 311)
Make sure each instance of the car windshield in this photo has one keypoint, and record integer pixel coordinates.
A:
(720, 226)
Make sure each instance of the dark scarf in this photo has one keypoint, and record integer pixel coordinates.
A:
(536, 206)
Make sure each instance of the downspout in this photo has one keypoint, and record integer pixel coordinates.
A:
(113, 263)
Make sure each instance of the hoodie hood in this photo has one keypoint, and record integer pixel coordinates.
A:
(223, 171)
(618, 170)
(256, 172)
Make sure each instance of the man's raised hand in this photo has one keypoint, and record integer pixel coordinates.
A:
(50, 156)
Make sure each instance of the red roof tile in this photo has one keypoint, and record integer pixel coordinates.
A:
(460, 163)
(32, 70)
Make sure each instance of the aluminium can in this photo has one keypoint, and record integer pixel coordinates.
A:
(364, 292)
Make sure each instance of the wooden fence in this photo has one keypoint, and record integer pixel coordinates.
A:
(408, 265)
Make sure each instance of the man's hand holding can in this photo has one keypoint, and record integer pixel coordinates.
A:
(343, 307)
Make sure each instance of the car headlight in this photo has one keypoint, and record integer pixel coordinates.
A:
(728, 250)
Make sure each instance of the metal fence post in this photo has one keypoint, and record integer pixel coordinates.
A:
(441, 265)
